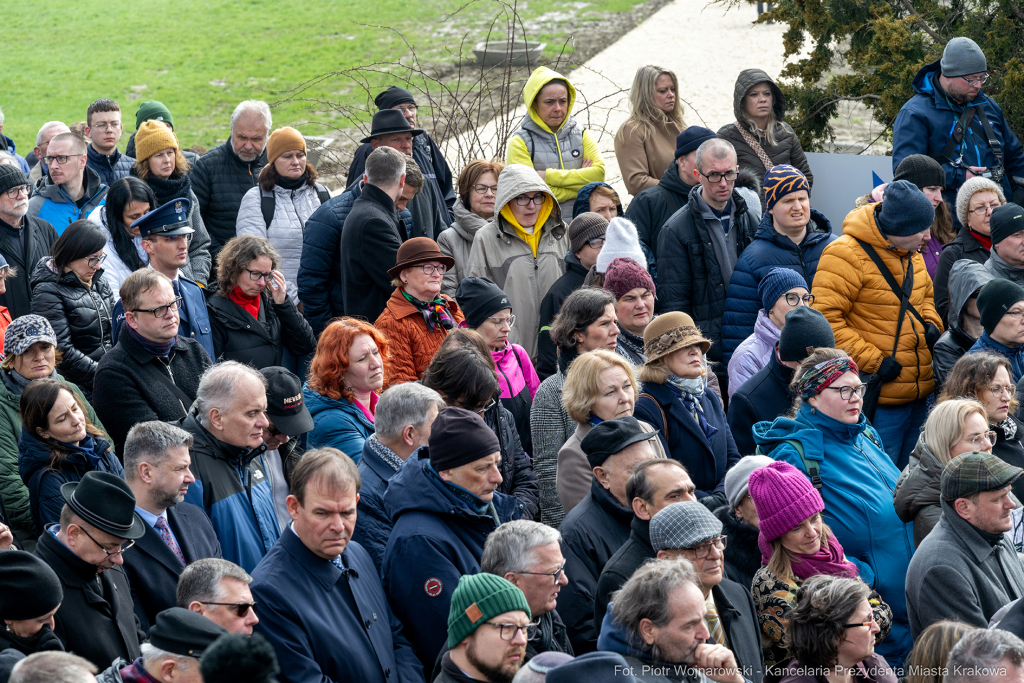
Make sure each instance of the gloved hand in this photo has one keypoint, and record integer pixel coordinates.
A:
(889, 369)
(48, 640)
(931, 335)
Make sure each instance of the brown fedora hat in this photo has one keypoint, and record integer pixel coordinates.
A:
(419, 250)
(670, 332)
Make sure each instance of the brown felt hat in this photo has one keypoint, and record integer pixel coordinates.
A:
(670, 332)
(419, 250)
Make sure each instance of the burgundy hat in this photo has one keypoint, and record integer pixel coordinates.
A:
(419, 250)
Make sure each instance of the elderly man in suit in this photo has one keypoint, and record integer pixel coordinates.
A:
(156, 460)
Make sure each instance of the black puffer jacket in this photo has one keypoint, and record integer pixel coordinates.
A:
(220, 179)
(261, 344)
(517, 476)
(80, 318)
(36, 237)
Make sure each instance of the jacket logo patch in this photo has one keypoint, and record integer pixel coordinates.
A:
(576, 154)
(433, 587)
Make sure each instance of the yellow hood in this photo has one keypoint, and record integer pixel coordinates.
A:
(538, 79)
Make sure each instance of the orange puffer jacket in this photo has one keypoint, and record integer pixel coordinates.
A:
(411, 345)
(862, 309)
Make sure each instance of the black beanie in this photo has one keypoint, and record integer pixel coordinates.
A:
(238, 658)
(1005, 221)
(459, 437)
(30, 588)
(11, 176)
(995, 299)
(805, 329)
(921, 170)
(479, 299)
(392, 97)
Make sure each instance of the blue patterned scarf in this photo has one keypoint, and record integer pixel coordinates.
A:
(689, 392)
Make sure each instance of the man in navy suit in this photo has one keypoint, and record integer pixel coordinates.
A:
(156, 463)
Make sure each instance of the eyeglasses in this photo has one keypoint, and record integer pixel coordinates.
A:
(60, 159)
(484, 189)
(15, 192)
(975, 81)
(241, 608)
(103, 125)
(429, 269)
(554, 575)
(846, 393)
(256, 274)
(109, 554)
(502, 322)
(161, 311)
(871, 620)
(982, 440)
(982, 210)
(95, 261)
(998, 389)
(716, 178)
(525, 201)
(704, 549)
(794, 299)
(406, 107)
(595, 243)
(1015, 314)
(487, 407)
(508, 631)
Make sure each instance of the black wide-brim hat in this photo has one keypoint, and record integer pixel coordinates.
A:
(389, 121)
(104, 500)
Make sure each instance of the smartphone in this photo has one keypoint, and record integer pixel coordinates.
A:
(273, 283)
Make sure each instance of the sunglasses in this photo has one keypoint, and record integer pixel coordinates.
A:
(241, 608)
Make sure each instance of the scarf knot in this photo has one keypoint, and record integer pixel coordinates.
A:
(435, 312)
(690, 392)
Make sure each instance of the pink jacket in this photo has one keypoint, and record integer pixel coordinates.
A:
(515, 371)
(753, 353)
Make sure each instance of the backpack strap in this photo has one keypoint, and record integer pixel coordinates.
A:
(664, 422)
(322, 193)
(811, 466)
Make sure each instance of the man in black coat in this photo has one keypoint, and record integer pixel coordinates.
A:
(156, 460)
(24, 240)
(223, 175)
(95, 619)
(700, 244)
(766, 395)
(152, 373)
(655, 485)
(372, 235)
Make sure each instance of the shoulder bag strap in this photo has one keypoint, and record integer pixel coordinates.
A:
(902, 292)
(664, 422)
(755, 145)
(959, 130)
(993, 141)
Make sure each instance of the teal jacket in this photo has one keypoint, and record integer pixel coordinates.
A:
(338, 424)
(858, 480)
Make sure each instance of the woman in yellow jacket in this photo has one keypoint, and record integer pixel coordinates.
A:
(852, 294)
(564, 154)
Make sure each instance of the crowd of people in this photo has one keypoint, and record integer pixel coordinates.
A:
(484, 425)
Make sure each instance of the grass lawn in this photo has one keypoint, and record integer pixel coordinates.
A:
(201, 57)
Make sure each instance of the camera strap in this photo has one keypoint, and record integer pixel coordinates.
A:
(960, 129)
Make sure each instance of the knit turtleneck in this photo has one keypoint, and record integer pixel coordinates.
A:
(249, 303)
(291, 183)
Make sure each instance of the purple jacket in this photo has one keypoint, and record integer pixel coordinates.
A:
(931, 252)
(753, 353)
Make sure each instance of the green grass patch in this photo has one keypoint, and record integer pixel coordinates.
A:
(202, 57)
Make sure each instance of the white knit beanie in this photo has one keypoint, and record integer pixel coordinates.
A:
(968, 190)
(620, 239)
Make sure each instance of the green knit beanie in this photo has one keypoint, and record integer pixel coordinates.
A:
(151, 110)
(479, 598)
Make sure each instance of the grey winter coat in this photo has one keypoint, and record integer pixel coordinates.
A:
(965, 278)
(550, 427)
(500, 254)
(457, 242)
(956, 574)
(918, 491)
(291, 210)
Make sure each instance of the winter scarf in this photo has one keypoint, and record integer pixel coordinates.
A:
(291, 183)
(828, 560)
(167, 189)
(435, 312)
(689, 392)
(16, 383)
(155, 348)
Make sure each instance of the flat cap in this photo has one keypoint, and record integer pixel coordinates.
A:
(683, 525)
(611, 437)
(976, 472)
(183, 632)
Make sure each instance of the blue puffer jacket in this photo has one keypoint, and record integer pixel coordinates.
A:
(319, 278)
(94, 453)
(858, 481)
(437, 538)
(112, 168)
(925, 122)
(768, 250)
(338, 424)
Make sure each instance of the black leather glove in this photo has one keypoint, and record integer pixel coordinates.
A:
(931, 335)
(49, 641)
(889, 369)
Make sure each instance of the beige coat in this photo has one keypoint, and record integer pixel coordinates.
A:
(644, 158)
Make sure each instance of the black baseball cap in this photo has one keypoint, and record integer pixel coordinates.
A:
(286, 406)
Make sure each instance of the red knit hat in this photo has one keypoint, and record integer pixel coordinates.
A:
(624, 274)
(784, 497)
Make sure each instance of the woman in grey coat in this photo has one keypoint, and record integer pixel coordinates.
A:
(478, 188)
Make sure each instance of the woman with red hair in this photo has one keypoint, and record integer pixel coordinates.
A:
(345, 376)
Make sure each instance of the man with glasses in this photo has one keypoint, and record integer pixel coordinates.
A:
(321, 602)
(1001, 305)
(71, 190)
(103, 126)
(966, 568)
(488, 631)
(98, 523)
(24, 239)
(218, 590)
(156, 460)
(951, 120)
(700, 245)
(152, 373)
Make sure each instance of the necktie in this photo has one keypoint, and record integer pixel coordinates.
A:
(165, 534)
(715, 625)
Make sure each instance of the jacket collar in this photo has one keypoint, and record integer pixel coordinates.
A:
(695, 201)
(818, 229)
(221, 450)
(641, 528)
(71, 569)
(228, 310)
(258, 162)
(573, 263)
(781, 372)
(832, 428)
(1000, 268)
(670, 180)
(380, 197)
(969, 538)
(376, 463)
(100, 158)
(139, 354)
(324, 571)
(667, 399)
(607, 502)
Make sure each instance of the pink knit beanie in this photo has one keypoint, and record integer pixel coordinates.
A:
(784, 497)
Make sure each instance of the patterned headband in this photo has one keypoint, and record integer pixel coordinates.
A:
(821, 376)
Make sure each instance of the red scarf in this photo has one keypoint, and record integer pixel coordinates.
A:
(983, 240)
(251, 304)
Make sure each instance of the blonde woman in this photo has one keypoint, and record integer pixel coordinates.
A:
(600, 385)
(954, 427)
(645, 144)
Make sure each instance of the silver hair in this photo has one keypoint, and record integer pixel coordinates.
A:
(149, 442)
(528, 675)
(219, 384)
(200, 581)
(252, 108)
(646, 596)
(153, 656)
(716, 148)
(47, 126)
(404, 405)
(8, 159)
(384, 167)
(53, 667)
(977, 657)
(511, 547)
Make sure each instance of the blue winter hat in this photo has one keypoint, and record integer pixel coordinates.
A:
(777, 282)
(692, 138)
(25, 331)
(905, 210)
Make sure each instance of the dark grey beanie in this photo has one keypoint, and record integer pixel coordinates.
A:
(805, 329)
(961, 57)
(905, 210)
(11, 176)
